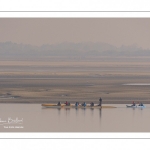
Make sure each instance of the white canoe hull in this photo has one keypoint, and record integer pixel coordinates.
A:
(130, 106)
(140, 106)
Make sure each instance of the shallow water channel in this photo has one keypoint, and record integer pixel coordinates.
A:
(35, 118)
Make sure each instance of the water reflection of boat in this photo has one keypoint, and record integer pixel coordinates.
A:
(73, 106)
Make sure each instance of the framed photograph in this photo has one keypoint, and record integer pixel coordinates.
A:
(74, 74)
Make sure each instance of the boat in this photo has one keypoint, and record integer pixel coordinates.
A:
(73, 106)
(139, 106)
(136, 106)
(131, 106)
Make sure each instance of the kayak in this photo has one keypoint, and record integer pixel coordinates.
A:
(141, 106)
(136, 106)
(73, 106)
(131, 106)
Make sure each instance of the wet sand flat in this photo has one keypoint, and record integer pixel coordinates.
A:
(44, 81)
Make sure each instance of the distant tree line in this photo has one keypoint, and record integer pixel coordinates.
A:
(9, 49)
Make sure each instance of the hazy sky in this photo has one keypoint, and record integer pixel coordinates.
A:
(57, 30)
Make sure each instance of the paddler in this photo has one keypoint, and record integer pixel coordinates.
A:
(66, 103)
(92, 104)
(133, 104)
(141, 104)
(84, 104)
(100, 102)
(59, 103)
(77, 104)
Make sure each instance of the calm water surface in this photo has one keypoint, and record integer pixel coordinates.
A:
(34, 118)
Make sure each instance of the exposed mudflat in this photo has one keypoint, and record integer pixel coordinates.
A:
(120, 80)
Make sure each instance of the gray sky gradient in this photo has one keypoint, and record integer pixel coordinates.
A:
(121, 31)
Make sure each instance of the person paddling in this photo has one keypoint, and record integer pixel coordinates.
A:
(59, 103)
(133, 104)
(100, 102)
(92, 104)
(141, 104)
(77, 104)
(84, 104)
(66, 103)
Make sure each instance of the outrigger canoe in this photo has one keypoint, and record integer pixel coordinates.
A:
(73, 106)
(131, 106)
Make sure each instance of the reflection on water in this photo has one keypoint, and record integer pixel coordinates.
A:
(67, 111)
(100, 112)
(92, 111)
(38, 119)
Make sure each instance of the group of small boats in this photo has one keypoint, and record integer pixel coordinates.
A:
(84, 105)
(140, 105)
(135, 106)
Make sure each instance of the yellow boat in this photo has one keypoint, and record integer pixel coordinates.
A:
(73, 106)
